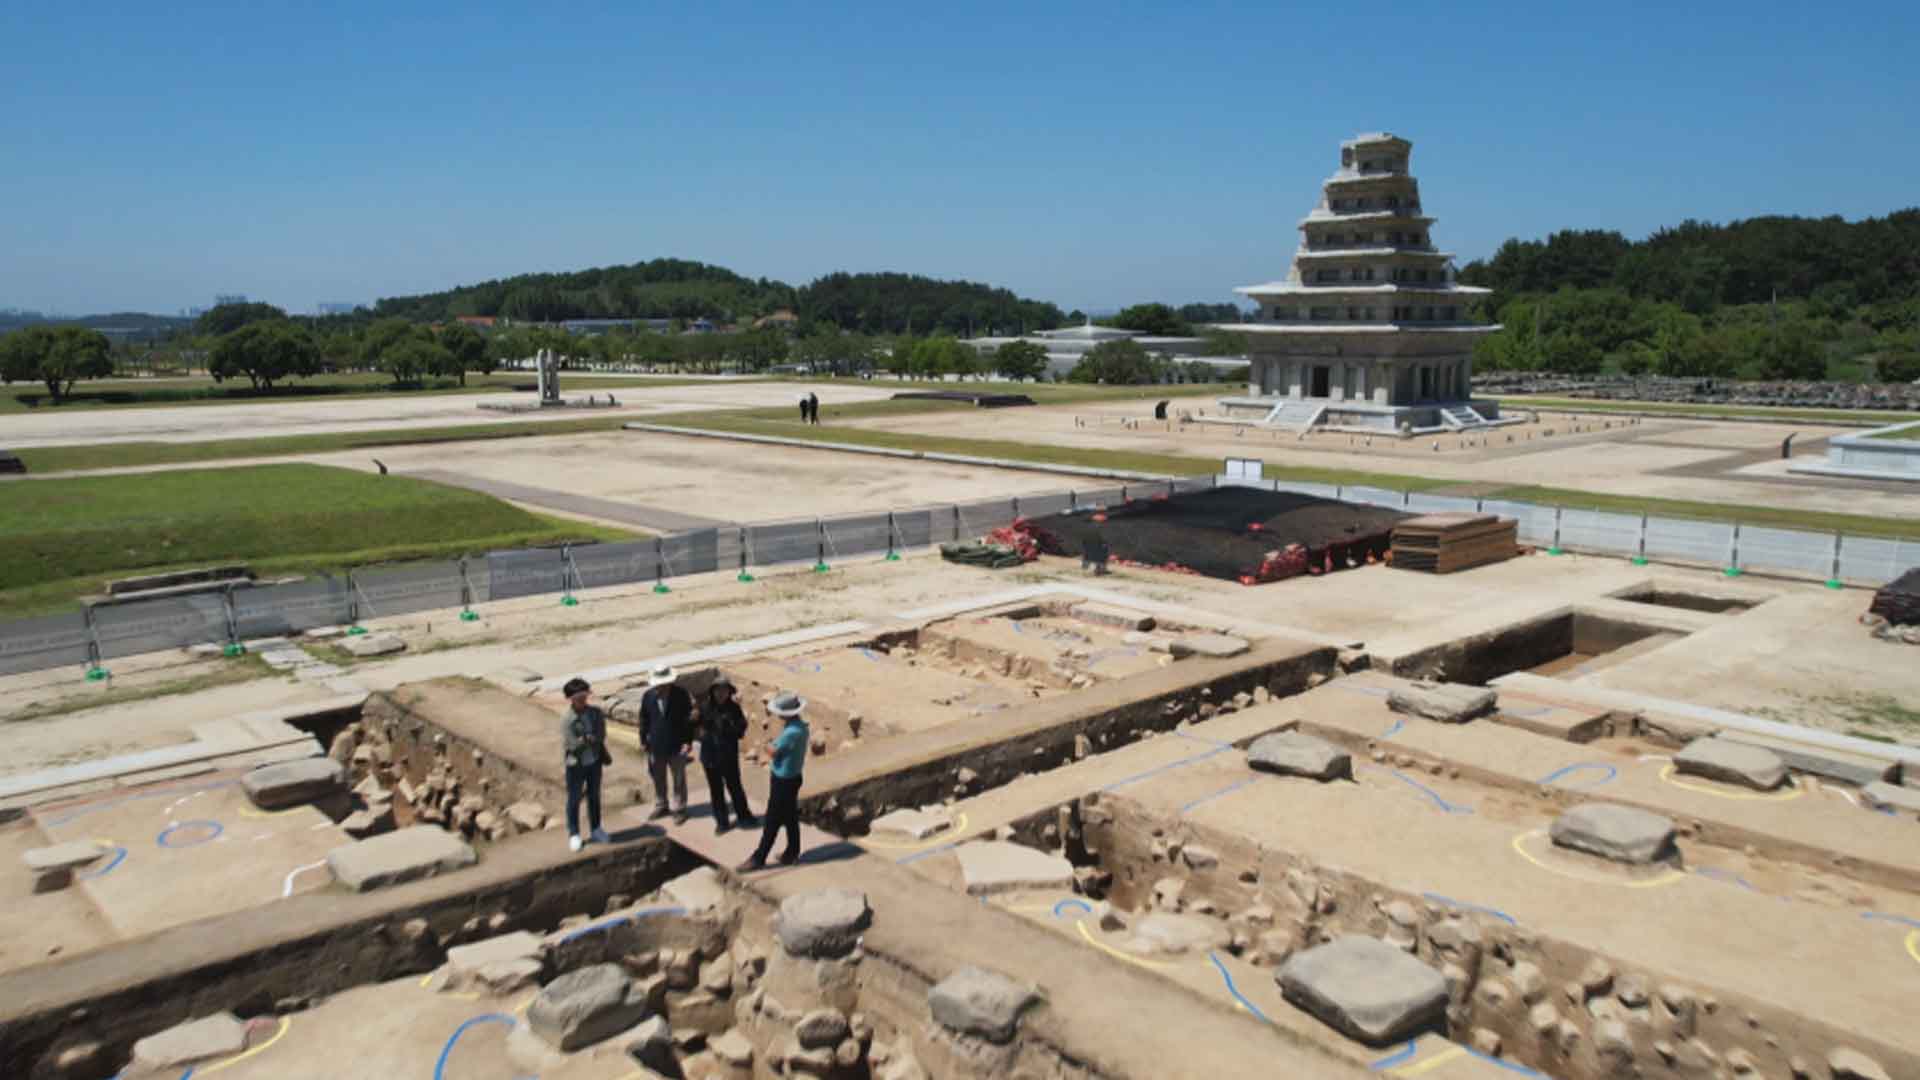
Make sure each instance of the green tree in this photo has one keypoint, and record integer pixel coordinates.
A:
(226, 318)
(264, 352)
(1116, 363)
(1792, 353)
(1020, 359)
(468, 350)
(57, 357)
(413, 358)
(1155, 319)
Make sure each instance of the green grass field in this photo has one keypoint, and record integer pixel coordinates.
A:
(1908, 434)
(200, 390)
(65, 538)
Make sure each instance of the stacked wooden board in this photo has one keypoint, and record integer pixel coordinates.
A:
(1444, 543)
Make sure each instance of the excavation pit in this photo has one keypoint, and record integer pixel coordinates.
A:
(1567, 644)
(1689, 601)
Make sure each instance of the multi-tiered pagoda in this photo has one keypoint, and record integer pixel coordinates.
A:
(1369, 330)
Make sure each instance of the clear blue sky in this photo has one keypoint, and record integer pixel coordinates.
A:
(1089, 154)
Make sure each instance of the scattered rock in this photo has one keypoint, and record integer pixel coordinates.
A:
(996, 866)
(651, 1044)
(219, 1035)
(291, 783)
(583, 1007)
(1528, 982)
(697, 890)
(822, 1027)
(528, 816)
(53, 866)
(1486, 1041)
(1885, 796)
(732, 1049)
(373, 645)
(1290, 753)
(1849, 1064)
(364, 823)
(1732, 763)
(1108, 615)
(1213, 645)
(466, 963)
(974, 1001)
(403, 855)
(1365, 988)
(1449, 703)
(822, 924)
(1168, 894)
(1162, 932)
(914, 824)
(1621, 833)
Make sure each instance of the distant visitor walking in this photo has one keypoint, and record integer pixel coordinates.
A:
(803, 407)
(813, 407)
(583, 735)
(783, 800)
(666, 728)
(722, 725)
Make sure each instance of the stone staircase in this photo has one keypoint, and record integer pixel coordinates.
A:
(1461, 417)
(1296, 415)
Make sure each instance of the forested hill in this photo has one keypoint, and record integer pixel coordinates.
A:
(677, 288)
(1701, 266)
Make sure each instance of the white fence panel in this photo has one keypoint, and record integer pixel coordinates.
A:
(1785, 550)
(1709, 542)
(1598, 530)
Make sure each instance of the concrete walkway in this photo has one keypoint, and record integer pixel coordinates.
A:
(650, 518)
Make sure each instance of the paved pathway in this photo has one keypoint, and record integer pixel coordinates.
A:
(651, 518)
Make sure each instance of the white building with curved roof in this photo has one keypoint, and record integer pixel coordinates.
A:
(1369, 329)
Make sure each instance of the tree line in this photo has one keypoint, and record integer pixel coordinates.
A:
(1769, 297)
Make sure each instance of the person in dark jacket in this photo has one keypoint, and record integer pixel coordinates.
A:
(666, 729)
(722, 725)
(813, 407)
(783, 796)
(583, 737)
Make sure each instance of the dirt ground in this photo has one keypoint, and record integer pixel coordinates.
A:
(1677, 459)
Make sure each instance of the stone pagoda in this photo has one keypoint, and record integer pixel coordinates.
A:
(1369, 331)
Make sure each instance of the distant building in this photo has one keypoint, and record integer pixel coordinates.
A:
(1065, 348)
(336, 307)
(1369, 331)
(782, 320)
(478, 322)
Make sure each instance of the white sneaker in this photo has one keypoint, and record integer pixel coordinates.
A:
(600, 837)
(573, 843)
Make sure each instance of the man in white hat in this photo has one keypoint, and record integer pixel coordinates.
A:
(783, 794)
(666, 730)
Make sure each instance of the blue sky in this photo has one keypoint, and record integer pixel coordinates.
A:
(1089, 154)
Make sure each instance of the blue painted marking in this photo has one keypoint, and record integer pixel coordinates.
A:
(109, 804)
(1405, 1054)
(800, 667)
(871, 655)
(918, 855)
(119, 856)
(1234, 990)
(1370, 691)
(1582, 766)
(1727, 876)
(440, 1066)
(1443, 804)
(1203, 739)
(1394, 730)
(620, 920)
(164, 839)
(1164, 768)
(1083, 905)
(1464, 906)
(1228, 790)
(1510, 1066)
(1915, 923)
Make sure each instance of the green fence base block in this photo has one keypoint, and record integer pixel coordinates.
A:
(821, 568)
(893, 556)
(1555, 551)
(1731, 571)
(1834, 583)
(661, 587)
(95, 674)
(569, 601)
(356, 631)
(234, 648)
(1639, 560)
(469, 616)
(743, 577)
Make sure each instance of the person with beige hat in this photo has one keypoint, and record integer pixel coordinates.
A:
(666, 730)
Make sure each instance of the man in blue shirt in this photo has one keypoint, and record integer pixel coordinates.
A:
(583, 738)
(783, 796)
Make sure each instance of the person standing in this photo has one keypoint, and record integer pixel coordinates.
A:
(583, 735)
(813, 407)
(666, 727)
(783, 800)
(803, 407)
(722, 725)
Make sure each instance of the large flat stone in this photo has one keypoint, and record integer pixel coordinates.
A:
(57, 858)
(1904, 801)
(822, 924)
(1290, 753)
(1446, 702)
(1824, 762)
(1732, 763)
(997, 866)
(974, 1001)
(294, 783)
(404, 855)
(373, 645)
(473, 966)
(1109, 615)
(915, 824)
(1163, 932)
(697, 891)
(1621, 833)
(183, 1045)
(1215, 645)
(1365, 988)
(583, 1007)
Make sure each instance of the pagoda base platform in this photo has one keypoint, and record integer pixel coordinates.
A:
(1336, 414)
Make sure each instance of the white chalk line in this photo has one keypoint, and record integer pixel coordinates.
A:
(286, 889)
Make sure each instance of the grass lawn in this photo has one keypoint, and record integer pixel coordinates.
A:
(1853, 417)
(65, 538)
(201, 390)
(1911, 433)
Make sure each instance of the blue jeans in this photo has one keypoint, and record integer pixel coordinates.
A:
(583, 780)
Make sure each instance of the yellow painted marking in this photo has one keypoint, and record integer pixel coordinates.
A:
(285, 1023)
(1433, 1062)
(1667, 774)
(250, 812)
(1520, 845)
(958, 828)
(1150, 965)
(426, 979)
(1913, 946)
